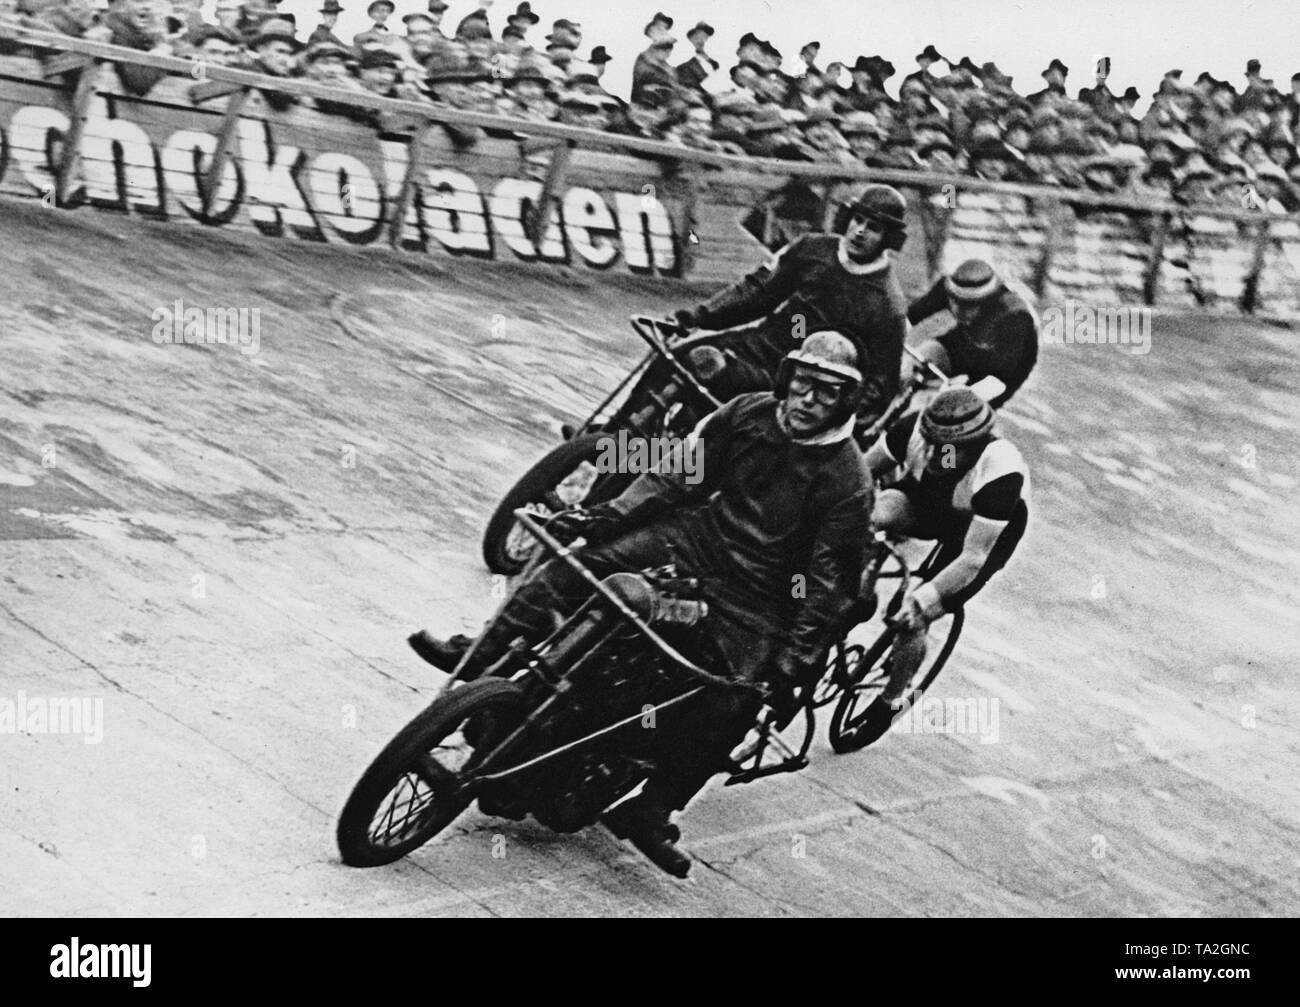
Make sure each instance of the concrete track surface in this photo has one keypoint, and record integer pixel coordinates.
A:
(228, 549)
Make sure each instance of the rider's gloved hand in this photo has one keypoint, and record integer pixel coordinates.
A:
(598, 524)
(686, 318)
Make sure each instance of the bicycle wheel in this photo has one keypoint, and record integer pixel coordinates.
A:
(411, 790)
(861, 717)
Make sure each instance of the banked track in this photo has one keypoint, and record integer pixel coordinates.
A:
(228, 549)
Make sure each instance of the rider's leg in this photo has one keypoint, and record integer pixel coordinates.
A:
(910, 646)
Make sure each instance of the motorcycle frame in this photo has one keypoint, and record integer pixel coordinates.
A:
(648, 329)
(559, 685)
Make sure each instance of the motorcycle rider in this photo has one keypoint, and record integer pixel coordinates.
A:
(954, 480)
(995, 341)
(843, 282)
(773, 531)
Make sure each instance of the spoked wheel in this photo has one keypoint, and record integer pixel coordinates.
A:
(861, 717)
(411, 792)
(840, 671)
(563, 478)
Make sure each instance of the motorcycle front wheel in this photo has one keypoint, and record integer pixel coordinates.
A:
(411, 790)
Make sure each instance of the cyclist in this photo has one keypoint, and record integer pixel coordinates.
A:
(995, 341)
(948, 477)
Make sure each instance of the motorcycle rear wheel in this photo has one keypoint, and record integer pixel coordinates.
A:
(410, 793)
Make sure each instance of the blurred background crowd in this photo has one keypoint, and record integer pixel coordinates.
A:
(1199, 140)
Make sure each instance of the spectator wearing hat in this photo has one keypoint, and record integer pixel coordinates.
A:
(378, 71)
(1099, 97)
(769, 56)
(525, 93)
(925, 59)
(324, 32)
(749, 49)
(274, 48)
(808, 57)
(217, 46)
(423, 41)
(599, 59)
(567, 32)
(330, 63)
(868, 85)
(437, 10)
(475, 23)
(1054, 75)
(274, 52)
(522, 19)
(995, 81)
(696, 70)
(651, 68)
(379, 12)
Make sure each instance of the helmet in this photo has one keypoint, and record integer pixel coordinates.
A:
(973, 281)
(882, 203)
(956, 416)
(835, 358)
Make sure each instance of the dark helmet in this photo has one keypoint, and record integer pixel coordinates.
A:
(972, 282)
(881, 203)
(835, 358)
(957, 416)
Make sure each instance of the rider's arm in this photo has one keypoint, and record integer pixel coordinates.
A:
(758, 294)
(930, 303)
(994, 506)
(1008, 362)
(833, 575)
(884, 366)
(689, 472)
(890, 449)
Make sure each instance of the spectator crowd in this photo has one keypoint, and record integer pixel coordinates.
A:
(1206, 141)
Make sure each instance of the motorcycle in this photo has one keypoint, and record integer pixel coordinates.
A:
(558, 729)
